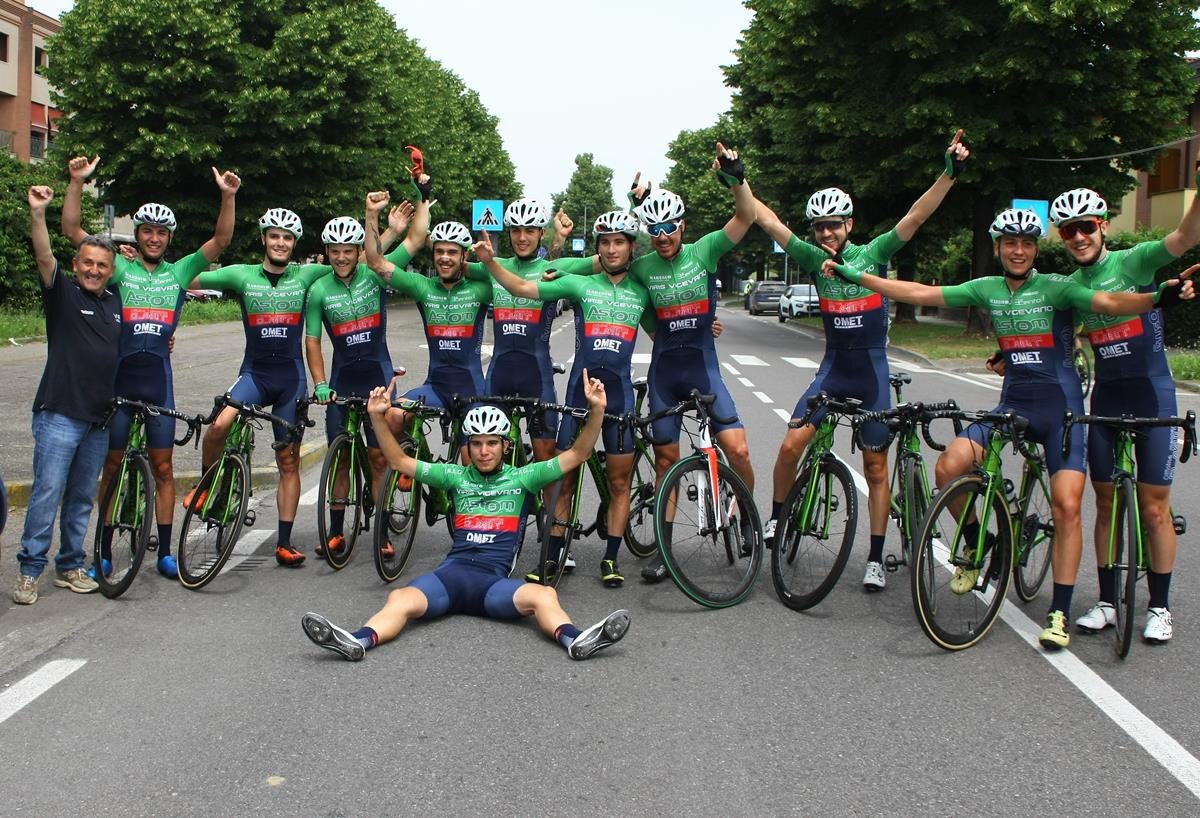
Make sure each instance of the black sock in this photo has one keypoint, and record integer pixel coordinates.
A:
(164, 540)
(337, 519)
(106, 535)
(614, 545)
(1062, 599)
(876, 552)
(1107, 578)
(970, 537)
(285, 533)
(776, 509)
(1160, 589)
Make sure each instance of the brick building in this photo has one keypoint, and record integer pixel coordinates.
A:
(27, 118)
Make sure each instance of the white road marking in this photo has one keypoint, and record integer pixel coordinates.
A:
(802, 363)
(764, 397)
(640, 358)
(35, 684)
(908, 366)
(746, 383)
(783, 413)
(730, 367)
(749, 360)
(246, 545)
(309, 498)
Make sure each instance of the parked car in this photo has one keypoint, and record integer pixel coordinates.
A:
(799, 299)
(764, 297)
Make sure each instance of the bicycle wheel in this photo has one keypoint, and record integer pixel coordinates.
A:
(127, 512)
(1083, 365)
(915, 503)
(815, 534)
(639, 531)
(1034, 529)
(1125, 538)
(213, 521)
(713, 565)
(552, 559)
(957, 619)
(397, 515)
(340, 458)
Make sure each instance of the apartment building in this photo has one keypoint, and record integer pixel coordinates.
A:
(27, 117)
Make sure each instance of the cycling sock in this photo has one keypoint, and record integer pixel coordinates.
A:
(106, 535)
(1160, 589)
(285, 534)
(970, 536)
(1061, 601)
(337, 518)
(1107, 578)
(614, 545)
(566, 634)
(876, 552)
(164, 540)
(366, 637)
(776, 509)
(556, 544)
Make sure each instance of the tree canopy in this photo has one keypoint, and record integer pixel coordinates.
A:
(310, 102)
(588, 193)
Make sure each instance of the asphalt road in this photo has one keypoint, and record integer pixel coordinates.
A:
(168, 702)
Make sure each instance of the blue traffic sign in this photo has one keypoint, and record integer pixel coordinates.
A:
(1039, 206)
(487, 214)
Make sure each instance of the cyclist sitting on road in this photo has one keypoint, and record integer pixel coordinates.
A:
(1033, 320)
(452, 310)
(152, 295)
(856, 336)
(609, 309)
(272, 372)
(1132, 378)
(491, 501)
(350, 304)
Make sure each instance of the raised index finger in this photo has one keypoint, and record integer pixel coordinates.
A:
(958, 135)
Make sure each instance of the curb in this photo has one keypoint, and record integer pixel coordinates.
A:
(311, 453)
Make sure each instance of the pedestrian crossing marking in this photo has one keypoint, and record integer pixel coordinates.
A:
(749, 360)
(802, 363)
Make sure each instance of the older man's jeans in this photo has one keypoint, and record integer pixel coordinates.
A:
(67, 457)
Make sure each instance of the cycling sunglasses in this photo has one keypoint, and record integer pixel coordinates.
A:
(828, 224)
(662, 228)
(1087, 228)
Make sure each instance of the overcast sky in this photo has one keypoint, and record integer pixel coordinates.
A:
(618, 79)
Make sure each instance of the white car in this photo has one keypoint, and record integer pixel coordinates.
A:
(799, 299)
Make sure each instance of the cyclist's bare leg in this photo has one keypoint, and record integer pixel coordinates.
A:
(1066, 496)
(665, 457)
(879, 496)
(164, 484)
(543, 449)
(1155, 504)
(795, 441)
(1103, 492)
(287, 496)
(378, 466)
(541, 602)
(402, 605)
(111, 461)
(737, 449)
(959, 458)
(214, 436)
(562, 508)
(618, 468)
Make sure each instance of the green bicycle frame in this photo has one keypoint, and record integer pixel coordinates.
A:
(820, 449)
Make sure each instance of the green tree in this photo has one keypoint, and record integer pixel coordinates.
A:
(588, 193)
(865, 96)
(18, 270)
(310, 102)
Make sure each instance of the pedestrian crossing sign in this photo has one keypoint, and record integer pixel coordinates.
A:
(487, 214)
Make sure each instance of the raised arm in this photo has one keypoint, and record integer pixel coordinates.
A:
(418, 229)
(378, 404)
(510, 281)
(733, 175)
(39, 196)
(1178, 241)
(581, 449)
(910, 292)
(771, 224)
(376, 202)
(228, 183)
(930, 200)
(562, 231)
(79, 169)
(1168, 294)
(398, 220)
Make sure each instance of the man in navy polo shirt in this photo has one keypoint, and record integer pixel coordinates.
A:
(83, 328)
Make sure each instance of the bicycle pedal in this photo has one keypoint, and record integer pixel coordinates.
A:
(152, 543)
(693, 492)
(249, 519)
(1180, 523)
(891, 564)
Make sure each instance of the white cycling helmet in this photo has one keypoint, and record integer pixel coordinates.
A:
(526, 213)
(155, 214)
(617, 221)
(453, 232)
(1076, 204)
(343, 230)
(282, 218)
(485, 420)
(660, 206)
(830, 202)
(1013, 222)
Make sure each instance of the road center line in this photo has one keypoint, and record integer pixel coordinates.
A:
(731, 368)
(35, 684)
(746, 383)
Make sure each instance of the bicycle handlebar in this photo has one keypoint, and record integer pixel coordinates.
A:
(839, 406)
(1131, 424)
(151, 410)
(696, 401)
(905, 414)
(295, 430)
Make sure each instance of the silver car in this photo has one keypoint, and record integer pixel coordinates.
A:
(799, 299)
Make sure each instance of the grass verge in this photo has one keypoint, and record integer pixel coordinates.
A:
(32, 323)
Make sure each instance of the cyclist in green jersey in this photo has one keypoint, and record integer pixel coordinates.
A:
(1032, 314)
(856, 335)
(152, 295)
(1132, 377)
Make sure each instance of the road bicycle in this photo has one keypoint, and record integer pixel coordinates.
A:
(705, 519)
(218, 508)
(346, 484)
(127, 501)
(1083, 365)
(1128, 551)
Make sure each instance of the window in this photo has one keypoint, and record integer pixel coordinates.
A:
(1166, 175)
(39, 59)
(3, 47)
(37, 145)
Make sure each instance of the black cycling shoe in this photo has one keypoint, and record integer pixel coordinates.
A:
(655, 571)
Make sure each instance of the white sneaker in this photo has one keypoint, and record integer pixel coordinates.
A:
(769, 534)
(1158, 626)
(569, 565)
(873, 578)
(1102, 615)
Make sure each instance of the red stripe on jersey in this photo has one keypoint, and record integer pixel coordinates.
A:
(610, 331)
(357, 325)
(451, 330)
(1118, 332)
(131, 314)
(267, 319)
(680, 310)
(1009, 342)
(478, 522)
(874, 301)
(524, 315)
